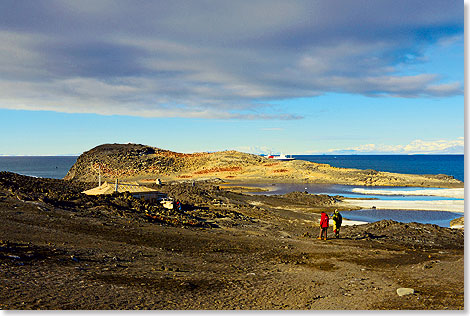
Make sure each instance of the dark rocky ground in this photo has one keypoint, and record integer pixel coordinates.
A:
(60, 249)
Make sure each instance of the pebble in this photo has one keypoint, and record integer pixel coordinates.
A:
(405, 291)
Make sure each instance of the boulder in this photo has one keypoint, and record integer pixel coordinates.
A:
(405, 291)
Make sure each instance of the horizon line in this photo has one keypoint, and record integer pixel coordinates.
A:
(264, 154)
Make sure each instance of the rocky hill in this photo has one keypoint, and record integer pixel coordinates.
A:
(141, 162)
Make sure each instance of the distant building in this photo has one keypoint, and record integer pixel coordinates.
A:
(135, 189)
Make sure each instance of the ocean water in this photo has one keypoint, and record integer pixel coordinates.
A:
(452, 165)
(55, 167)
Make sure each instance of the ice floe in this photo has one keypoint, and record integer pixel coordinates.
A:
(458, 193)
(438, 205)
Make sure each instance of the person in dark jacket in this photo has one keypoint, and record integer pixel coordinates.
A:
(337, 221)
(323, 225)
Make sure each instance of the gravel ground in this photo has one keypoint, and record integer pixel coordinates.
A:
(246, 254)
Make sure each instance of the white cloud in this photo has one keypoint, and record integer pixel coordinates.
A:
(216, 59)
(272, 129)
(255, 149)
(415, 147)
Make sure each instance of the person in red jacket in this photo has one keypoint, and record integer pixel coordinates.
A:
(323, 225)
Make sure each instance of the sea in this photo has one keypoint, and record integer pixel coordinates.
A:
(56, 167)
(452, 165)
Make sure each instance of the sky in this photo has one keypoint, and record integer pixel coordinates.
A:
(258, 76)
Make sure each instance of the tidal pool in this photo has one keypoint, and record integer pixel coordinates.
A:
(440, 218)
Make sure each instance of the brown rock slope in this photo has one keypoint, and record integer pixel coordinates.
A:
(140, 162)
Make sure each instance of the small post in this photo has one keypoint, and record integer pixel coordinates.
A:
(116, 186)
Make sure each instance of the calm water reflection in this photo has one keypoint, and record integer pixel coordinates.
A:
(425, 217)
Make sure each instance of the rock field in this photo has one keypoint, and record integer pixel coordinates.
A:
(60, 249)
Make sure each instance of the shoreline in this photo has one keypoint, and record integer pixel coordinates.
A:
(131, 162)
(456, 206)
(269, 181)
(457, 193)
(347, 222)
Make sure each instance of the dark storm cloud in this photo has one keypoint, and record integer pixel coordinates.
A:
(215, 58)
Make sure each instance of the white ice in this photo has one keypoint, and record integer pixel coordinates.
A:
(438, 205)
(458, 193)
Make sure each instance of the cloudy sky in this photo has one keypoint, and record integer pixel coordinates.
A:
(299, 77)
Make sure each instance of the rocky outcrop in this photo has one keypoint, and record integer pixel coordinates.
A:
(141, 162)
(124, 161)
(415, 235)
(458, 223)
(133, 161)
